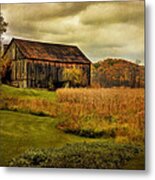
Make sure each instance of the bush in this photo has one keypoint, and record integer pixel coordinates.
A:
(91, 133)
(74, 77)
(79, 155)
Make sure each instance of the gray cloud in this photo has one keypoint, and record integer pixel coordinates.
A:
(112, 12)
(45, 11)
(100, 29)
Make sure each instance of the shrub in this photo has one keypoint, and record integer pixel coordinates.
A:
(74, 77)
(79, 155)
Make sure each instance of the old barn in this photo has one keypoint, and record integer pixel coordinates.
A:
(37, 64)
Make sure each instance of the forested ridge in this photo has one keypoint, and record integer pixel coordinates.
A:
(117, 72)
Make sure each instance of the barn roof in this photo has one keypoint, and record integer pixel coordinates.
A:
(51, 52)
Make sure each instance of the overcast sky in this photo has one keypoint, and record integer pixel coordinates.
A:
(100, 29)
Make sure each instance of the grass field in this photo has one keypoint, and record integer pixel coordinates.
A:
(6, 91)
(115, 112)
(37, 102)
(19, 132)
(39, 119)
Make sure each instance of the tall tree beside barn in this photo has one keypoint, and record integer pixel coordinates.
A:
(3, 29)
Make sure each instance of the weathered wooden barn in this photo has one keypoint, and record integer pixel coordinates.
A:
(37, 64)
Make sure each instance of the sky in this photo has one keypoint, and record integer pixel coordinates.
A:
(99, 29)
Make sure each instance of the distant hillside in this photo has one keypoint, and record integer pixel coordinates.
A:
(117, 72)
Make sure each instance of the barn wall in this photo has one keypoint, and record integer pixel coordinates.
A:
(11, 53)
(40, 74)
(37, 73)
(19, 74)
(43, 74)
(18, 66)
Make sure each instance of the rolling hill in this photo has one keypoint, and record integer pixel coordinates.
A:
(118, 72)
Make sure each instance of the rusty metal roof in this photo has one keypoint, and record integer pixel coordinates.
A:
(52, 52)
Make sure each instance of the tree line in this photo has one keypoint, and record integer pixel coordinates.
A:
(117, 72)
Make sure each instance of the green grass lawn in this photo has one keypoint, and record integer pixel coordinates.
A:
(27, 93)
(19, 132)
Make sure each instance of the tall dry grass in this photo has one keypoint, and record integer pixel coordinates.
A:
(34, 106)
(116, 112)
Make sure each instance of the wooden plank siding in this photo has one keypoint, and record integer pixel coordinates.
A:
(40, 73)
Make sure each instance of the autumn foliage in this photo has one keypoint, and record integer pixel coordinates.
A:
(5, 71)
(117, 72)
(74, 77)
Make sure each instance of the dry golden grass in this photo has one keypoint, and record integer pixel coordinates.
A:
(33, 106)
(114, 112)
(117, 112)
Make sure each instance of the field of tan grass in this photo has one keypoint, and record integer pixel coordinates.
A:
(110, 113)
(38, 102)
(114, 112)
